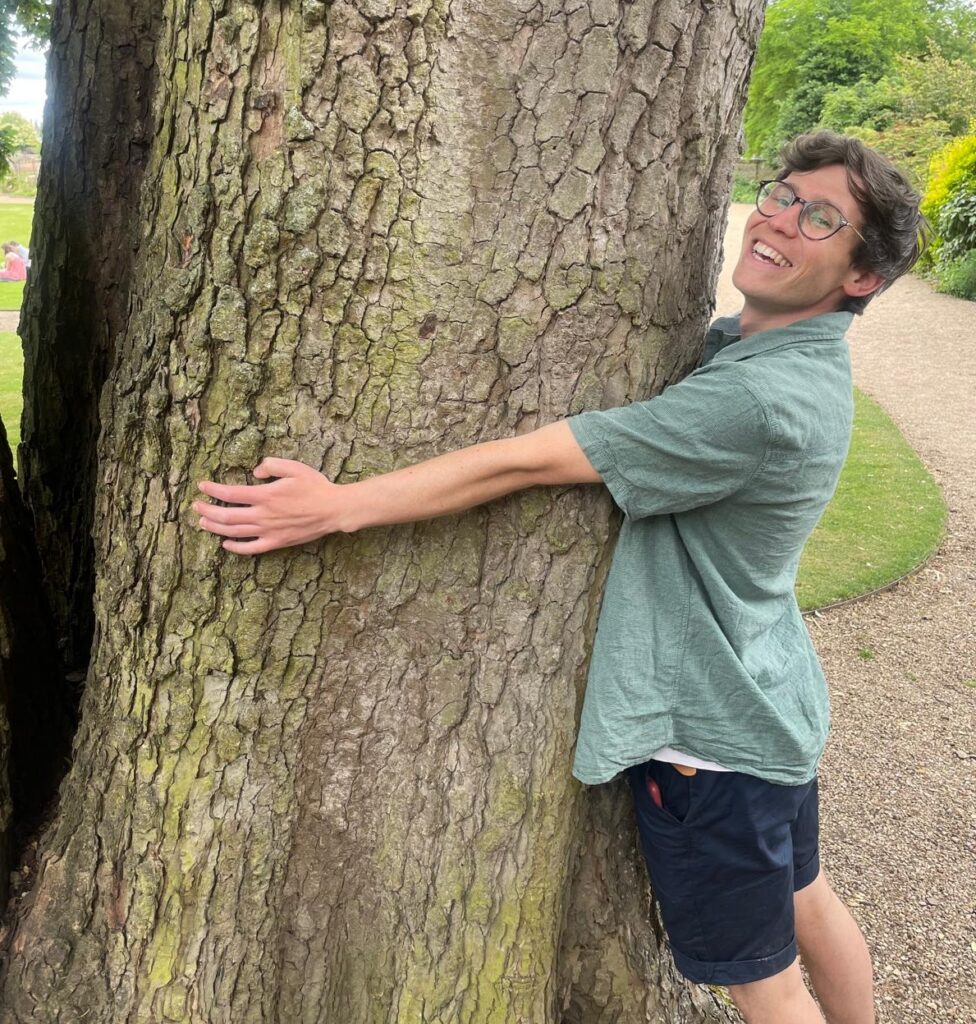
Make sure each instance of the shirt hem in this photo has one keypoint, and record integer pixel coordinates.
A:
(593, 776)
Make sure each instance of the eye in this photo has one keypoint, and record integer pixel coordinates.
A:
(822, 217)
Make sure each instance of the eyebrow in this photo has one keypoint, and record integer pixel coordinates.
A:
(833, 203)
(819, 199)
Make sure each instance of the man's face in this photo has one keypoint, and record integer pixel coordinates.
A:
(786, 276)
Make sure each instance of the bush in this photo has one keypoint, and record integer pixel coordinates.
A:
(866, 104)
(19, 184)
(958, 277)
(957, 226)
(953, 170)
(909, 145)
(952, 175)
(25, 134)
(744, 189)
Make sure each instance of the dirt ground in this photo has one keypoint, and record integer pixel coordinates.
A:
(899, 776)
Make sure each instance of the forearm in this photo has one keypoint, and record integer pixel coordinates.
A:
(301, 505)
(462, 479)
(449, 483)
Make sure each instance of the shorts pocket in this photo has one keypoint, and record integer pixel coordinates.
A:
(677, 791)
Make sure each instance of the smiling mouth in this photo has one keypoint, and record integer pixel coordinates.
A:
(766, 254)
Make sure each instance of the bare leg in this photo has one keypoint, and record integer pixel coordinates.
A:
(835, 954)
(781, 999)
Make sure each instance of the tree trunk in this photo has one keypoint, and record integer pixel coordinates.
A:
(86, 222)
(332, 784)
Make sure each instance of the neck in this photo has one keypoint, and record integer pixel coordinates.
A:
(753, 320)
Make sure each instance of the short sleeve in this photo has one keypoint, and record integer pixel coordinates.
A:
(697, 442)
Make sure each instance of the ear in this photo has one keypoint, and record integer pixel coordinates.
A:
(862, 282)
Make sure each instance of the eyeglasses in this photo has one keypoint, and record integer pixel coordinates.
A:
(818, 219)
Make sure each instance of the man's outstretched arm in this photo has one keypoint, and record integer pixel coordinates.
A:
(301, 505)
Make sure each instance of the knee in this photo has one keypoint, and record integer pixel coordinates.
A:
(774, 1000)
(812, 905)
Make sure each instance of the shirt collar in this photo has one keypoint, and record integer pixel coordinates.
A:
(725, 342)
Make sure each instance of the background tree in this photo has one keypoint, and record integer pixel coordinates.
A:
(25, 134)
(809, 49)
(333, 783)
(16, 132)
(28, 18)
(910, 113)
(8, 146)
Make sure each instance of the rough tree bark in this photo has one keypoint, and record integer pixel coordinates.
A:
(100, 70)
(332, 784)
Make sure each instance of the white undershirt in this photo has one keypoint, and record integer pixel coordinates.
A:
(673, 756)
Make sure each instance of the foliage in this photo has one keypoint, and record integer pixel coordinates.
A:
(910, 145)
(957, 225)
(16, 132)
(8, 45)
(934, 86)
(865, 104)
(743, 189)
(953, 170)
(34, 18)
(958, 277)
(947, 204)
(28, 17)
(811, 48)
(917, 89)
(8, 146)
(25, 133)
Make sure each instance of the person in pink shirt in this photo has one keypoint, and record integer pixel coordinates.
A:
(14, 268)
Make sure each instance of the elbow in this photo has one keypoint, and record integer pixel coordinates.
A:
(555, 457)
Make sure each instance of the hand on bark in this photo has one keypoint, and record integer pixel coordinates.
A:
(299, 506)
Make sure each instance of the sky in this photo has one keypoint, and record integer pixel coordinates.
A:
(27, 91)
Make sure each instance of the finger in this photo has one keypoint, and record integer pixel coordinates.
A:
(238, 494)
(279, 468)
(224, 514)
(229, 529)
(248, 547)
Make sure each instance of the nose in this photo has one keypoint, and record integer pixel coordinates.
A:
(788, 221)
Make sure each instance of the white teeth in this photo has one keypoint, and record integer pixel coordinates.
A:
(778, 258)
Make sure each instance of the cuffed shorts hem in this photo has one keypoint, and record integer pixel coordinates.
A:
(802, 877)
(735, 972)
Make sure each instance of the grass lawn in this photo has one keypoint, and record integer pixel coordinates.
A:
(886, 518)
(15, 223)
(11, 393)
(11, 294)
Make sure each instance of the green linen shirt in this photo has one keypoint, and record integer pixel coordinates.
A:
(721, 478)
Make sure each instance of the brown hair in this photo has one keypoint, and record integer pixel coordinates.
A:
(895, 232)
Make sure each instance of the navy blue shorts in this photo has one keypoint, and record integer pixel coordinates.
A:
(725, 852)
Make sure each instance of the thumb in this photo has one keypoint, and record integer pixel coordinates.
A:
(278, 468)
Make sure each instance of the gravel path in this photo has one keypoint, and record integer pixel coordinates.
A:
(9, 319)
(899, 776)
